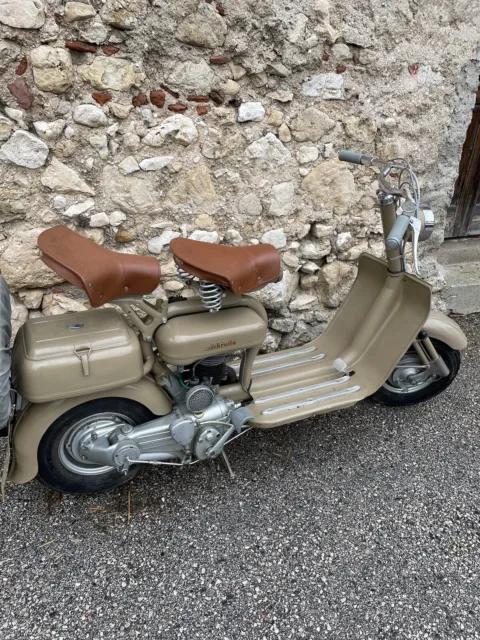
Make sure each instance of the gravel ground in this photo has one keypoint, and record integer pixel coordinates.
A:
(359, 524)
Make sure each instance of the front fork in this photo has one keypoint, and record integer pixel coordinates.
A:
(429, 355)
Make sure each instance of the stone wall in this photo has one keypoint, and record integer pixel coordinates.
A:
(136, 121)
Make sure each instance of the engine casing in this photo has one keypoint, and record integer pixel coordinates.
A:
(169, 437)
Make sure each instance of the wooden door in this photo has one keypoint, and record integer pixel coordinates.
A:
(463, 218)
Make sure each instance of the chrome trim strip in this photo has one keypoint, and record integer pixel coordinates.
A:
(305, 403)
(287, 365)
(296, 392)
(278, 356)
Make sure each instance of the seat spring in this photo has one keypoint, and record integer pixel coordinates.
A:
(211, 295)
(184, 276)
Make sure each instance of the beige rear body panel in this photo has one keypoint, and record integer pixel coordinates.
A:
(36, 418)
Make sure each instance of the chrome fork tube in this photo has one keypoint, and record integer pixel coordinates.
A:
(429, 355)
(436, 363)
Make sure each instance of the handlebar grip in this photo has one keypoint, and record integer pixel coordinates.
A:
(397, 233)
(350, 156)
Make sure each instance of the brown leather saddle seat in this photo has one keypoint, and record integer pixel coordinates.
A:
(103, 274)
(240, 269)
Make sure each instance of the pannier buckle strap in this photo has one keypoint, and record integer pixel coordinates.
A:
(83, 354)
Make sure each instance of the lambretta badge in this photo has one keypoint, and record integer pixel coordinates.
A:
(221, 345)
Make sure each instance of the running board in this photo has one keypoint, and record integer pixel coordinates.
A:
(296, 404)
(309, 401)
(275, 357)
(286, 365)
(294, 358)
(301, 390)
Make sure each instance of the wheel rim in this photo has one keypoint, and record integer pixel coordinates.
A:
(69, 450)
(409, 376)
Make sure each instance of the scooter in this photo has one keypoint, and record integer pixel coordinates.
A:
(99, 394)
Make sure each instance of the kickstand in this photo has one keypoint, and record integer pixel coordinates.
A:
(227, 465)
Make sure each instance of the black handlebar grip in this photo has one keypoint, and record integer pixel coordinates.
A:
(350, 156)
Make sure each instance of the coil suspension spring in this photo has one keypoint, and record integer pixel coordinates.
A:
(184, 276)
(211, 295)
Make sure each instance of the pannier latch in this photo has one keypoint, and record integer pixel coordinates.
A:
(83, 353)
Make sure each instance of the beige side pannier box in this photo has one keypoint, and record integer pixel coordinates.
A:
(73, 354)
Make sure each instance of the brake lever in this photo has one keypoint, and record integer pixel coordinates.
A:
(416, 226)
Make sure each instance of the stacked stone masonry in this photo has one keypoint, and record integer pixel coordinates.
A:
(135, 122)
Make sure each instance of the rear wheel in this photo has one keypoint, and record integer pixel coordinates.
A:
(61, 464)
(409, 383)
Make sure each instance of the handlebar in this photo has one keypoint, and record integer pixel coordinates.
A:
(359, 158)
(351, 156)
(367, 161)
(409, 223)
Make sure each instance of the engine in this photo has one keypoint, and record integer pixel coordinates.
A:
(198, 428)
(212, 370)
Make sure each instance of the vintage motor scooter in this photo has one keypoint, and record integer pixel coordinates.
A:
(98, 395)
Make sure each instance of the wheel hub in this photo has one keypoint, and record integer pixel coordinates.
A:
(72, 451)
(409, 376)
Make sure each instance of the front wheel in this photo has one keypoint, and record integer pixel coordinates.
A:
(61, 465)
(409, 383)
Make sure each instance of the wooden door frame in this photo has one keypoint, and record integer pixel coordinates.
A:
(467, 187)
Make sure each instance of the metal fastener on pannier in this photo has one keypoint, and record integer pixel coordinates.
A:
(83, 354)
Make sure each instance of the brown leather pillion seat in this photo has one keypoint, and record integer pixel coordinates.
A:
(240, 269)
(103, 274)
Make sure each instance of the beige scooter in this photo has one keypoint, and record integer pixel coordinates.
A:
(100, 394)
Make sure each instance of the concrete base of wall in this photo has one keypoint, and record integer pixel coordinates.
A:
(460, 264)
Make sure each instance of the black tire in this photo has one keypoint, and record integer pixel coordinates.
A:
(386, 396)
(53, 473)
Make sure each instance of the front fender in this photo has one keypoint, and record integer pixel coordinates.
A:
(443, 328)
(36, 418)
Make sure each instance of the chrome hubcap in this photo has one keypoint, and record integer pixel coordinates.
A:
(70, 451)
(410, 376)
